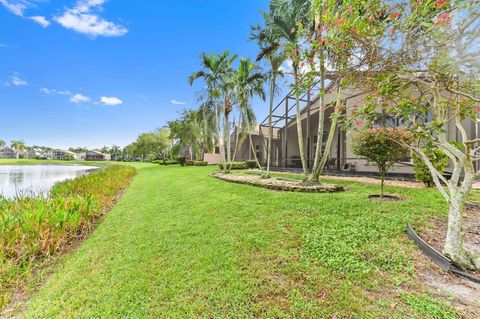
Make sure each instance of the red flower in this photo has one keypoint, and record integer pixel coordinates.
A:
(349, 9)
(292, 30)
(440, 3)
(444, 19)
(338, 21)
(322, 41)
(358, 123)
(394, 15)
(311, 60)
(477, 109)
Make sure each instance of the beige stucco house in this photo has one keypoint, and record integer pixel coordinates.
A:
(341, 156)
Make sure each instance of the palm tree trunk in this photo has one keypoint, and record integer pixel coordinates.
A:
(299, 122)
(331, 134)
(321, 123)
(218, 133)
(254, 153)
(236, 143)
(227, 133)
(270, 128)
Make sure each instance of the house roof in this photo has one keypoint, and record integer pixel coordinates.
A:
(6, 149)
(65, 151)
(95, 152)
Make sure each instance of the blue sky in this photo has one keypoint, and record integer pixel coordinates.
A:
(95, 72)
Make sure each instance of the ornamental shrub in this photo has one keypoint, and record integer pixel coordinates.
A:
(189, 163)
(234, 165)
(384, 146)
(200, 163)
(439, 161)
(181, 160)
(251, 164)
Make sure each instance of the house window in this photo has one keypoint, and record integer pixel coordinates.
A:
(217, 150)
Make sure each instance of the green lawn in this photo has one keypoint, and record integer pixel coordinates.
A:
(181, 244)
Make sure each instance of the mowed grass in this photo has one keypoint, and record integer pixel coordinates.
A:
(181, 244)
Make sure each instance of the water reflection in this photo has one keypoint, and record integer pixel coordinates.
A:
(36, 179)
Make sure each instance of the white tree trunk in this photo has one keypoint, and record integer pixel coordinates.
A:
(270, 128)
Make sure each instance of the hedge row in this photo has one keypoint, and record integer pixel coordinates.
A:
(196, 163)
(239, 165)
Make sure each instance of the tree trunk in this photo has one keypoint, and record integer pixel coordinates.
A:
(331, 134)
(454, 241)
(321, 123)
(219, 140)
(270, 128)
(299, 122)
(254, 153)
(227, 135)
(236, 144)
(382, 185)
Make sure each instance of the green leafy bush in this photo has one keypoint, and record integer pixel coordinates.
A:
(384, 146)
(439, 161)
(251, 164)
(234, 165)
(181, 160)
(189, 163)
(200, 163)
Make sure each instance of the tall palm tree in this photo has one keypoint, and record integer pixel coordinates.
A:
(286, 17)
(17, 145)
(272, 52)
(228, 101)
(248, 84)
(2, 143)
(213, 70)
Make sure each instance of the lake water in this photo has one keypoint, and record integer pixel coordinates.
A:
(36, 179)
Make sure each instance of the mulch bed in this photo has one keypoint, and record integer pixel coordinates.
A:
(279, 184)
(384, 198)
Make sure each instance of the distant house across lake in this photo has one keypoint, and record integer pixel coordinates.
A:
(7, 152)
(59, 154)
(95, 156)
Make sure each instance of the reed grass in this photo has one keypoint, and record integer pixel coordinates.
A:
(33, 229)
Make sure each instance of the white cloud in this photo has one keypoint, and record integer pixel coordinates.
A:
(40, 20)
(83, 18)
(64, 92)
(17, 7)
(54, 91)
(79, 98)
(16, 79)
(177, 102)
(110, 100)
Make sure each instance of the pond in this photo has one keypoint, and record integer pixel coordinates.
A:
(36, 179)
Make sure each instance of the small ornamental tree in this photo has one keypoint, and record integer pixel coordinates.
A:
(383, 146)
(425, 72)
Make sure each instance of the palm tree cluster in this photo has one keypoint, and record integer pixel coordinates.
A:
(227, 89)
(311, 37)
